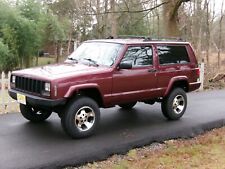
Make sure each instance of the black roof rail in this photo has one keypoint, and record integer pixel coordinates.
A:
(133, 37)
(110, 37)
(147, 38)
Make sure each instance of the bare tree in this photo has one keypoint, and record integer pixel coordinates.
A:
(208, 32)
(105, 27)
(220, 34)
(170, 16)
(113, 18)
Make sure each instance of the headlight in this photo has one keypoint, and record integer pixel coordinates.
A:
(47, 89)
(13, 79)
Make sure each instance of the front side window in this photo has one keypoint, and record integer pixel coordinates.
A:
(98, 53)
(139, 56)
(172, 55)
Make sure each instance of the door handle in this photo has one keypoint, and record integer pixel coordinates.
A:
(152, 70)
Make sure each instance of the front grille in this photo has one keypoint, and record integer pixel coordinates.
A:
(29, 85)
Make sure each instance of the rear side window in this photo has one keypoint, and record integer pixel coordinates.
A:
(172, 55)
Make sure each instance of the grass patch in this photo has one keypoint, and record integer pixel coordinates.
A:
(205, 151)
(48, 60)
(44, 61)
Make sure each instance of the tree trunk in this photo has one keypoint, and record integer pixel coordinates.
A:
(170, 22)
(69, 41)
(57, 51)
(197, 31)
(220, 36)
(114, 28)
(37, 57)
(27, 62)
(208, 32)
(98, 18)
(158, 20)
(105, 18)
(170, 16)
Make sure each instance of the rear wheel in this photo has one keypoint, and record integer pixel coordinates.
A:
(174, 105)
(128, 105)
(81, 117)
(34, 114)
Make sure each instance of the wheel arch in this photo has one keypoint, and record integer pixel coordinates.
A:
(88, 90)
(181, 82)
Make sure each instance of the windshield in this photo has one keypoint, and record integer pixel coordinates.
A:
(96, 53)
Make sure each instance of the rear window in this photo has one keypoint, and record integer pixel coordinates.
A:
(172, 55)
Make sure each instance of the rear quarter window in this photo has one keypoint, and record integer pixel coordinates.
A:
(172, 54)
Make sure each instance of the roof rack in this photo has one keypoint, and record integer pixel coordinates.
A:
(129, 37)
(168, 39)
(147, 38)
(133, 37)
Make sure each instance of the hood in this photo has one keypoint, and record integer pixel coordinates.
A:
(60, 70)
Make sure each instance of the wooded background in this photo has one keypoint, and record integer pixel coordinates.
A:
(27, 26)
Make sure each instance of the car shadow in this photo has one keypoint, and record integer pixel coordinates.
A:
(112, 120)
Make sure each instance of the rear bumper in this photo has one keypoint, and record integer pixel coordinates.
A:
(194, 86)
(38, 101)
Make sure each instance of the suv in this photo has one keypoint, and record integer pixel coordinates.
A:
(105, 73)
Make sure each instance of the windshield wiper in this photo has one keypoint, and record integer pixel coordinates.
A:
(92, 61)
(73, 59)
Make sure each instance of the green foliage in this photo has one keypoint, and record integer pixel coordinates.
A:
(52, 30)
(70, 14)
(132, 23)
(19, 33)
(30, 9)
(26, 27)
(10, 38)
(7, 60)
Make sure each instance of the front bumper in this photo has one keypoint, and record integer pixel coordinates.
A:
(36, 101)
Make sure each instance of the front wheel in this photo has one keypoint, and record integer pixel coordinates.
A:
(34, 114)
(81, 117)
(174, 105)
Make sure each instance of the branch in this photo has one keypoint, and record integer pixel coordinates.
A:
(177, 6)
(128, 11)
(127, 6)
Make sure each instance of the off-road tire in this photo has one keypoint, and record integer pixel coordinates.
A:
(34, 115)
(169, 106)
(76, 108)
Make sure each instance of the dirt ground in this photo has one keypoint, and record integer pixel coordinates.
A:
(211, 70)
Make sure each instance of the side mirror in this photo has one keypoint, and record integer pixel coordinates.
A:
(125, 65)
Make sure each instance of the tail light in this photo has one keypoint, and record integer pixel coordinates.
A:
(198, 72)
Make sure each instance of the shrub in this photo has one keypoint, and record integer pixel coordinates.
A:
(8, 61)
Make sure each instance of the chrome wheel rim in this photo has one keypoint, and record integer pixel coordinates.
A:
(178, 104)
(85, 118)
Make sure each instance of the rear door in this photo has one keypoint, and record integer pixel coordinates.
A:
(173, 60)
(138, 83)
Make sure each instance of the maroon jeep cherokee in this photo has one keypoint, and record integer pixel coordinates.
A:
(105, 73)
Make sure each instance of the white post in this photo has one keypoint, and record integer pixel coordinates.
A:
(9, 106)
(3, 91)
(75, 45)
(8, 84)
(202, 72)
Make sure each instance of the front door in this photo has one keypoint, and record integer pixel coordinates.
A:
(139, 82)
